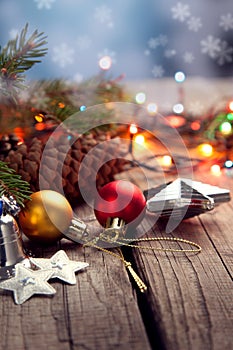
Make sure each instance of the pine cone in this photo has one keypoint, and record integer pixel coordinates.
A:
(61, 163)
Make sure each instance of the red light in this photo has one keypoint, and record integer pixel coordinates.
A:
(195, 126)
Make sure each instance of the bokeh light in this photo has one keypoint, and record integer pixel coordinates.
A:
(178, 108)
(179, 77)
(152, 108)
(140, 97)
(225, 128)
(205, 149)
(215, 170)
(139, 139)
(105, 62)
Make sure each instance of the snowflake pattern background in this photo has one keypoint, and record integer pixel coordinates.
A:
(144, 40)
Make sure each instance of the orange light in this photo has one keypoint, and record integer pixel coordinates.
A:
(195, 125)
(19, 132)
(140, 139)
(215, 170)
(39, 118)
(231, 106)
(61, 105)
(40, 126)
(166, 160)
(205, 149)
(175, 121)
(133, 129)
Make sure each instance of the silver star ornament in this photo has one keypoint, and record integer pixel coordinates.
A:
(61, 266)
(28, 282)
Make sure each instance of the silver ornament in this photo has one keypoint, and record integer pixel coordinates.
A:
(184, 198)
(11, 251)
(61, 266)
(27, 282)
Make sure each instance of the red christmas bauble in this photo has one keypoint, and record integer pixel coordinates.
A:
(120, 199)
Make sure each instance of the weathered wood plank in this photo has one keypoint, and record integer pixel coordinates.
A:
(190, 295)
(102, 308)
(99, 312)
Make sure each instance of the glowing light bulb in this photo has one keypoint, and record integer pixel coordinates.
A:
(82, 108)
(206, 149)
(139, 139)
(225, 128)
(230, 116)
(178, 108)
(140, 97)
(215, 170)
(179, 77)
(175, 121)
(228, 164)
(105, 62)
(133, 129)
(166, 161)
(231, 106)
(39, 118)
(152, 108)
(195, 125)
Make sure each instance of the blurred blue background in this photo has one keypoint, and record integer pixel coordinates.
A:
(144, 39)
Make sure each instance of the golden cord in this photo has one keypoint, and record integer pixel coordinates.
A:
(128, 265)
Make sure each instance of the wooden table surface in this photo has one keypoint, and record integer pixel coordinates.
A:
(188, 304)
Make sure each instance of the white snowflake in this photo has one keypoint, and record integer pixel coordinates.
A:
(157, 71)
(109, 53)
(44, 4)
(226, 21)
(194, 23)
(63, 55)
(211, 46)
(180, 12)
(83, 42)
(103, 14)
(188, 57)
(153, 43)
(169, 53)
(225, 54)
(163, 40)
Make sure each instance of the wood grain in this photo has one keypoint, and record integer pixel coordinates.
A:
(188, 304)
(190, 295)
(99, 312)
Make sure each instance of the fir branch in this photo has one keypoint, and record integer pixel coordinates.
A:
(18, 56)
(11, 184)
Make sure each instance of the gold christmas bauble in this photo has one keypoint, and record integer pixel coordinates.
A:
(45, 217)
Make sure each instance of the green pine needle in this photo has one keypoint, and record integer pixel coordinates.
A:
(11, 184)
(19, 55)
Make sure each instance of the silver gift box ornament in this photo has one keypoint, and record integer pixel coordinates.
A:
(184, 198)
